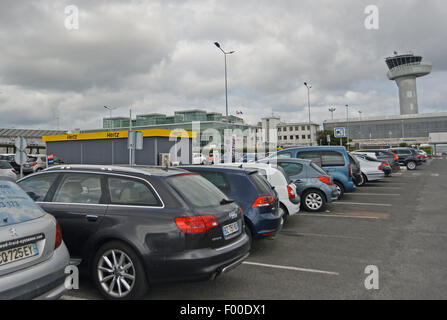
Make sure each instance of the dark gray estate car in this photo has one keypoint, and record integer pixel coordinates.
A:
(136, 225)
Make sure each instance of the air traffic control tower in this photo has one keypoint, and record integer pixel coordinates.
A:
(404, 69)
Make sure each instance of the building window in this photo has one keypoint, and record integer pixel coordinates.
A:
(296, 128)
(308, 136)
(290, 128)
(285, 137)
(291, 137)
(297, 137)
(303, 136)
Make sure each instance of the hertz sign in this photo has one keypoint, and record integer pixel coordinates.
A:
(118, 135)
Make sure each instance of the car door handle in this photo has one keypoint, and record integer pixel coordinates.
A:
(91, 218)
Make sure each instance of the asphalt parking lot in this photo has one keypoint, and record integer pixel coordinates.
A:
(397, 224)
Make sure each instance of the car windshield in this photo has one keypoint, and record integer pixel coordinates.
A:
(15, 205)
(197, 190)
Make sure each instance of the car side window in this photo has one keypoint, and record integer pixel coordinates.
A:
(128, 191)
(79, 188)
(218, 179)
(405, 152)
(285, 155)
(291, 169)
(332, 158)
(38, 186)
(310, 155)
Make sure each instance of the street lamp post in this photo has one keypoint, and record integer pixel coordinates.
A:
(360, 114)
(110, 113)
(332, 112)
(225, 53)
(308, 104)
(347, 126)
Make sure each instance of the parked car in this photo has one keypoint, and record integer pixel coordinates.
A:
(7, 171)
(314, 185)
(198, 158)
(423, 154)
(249, 157)
(289, 200)
(259, 202)
(35, 163)
(355, 167)
(384, 155)
(10, 158)
(134, 225)
(385, 166)
(33, 256)
(407, 157)
(333, 159)
(371, 169)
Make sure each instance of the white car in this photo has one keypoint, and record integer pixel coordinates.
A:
(6, 170)
(371, 170)
(288, 197)
(198, 158)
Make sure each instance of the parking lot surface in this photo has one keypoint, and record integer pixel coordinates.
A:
(397, 224)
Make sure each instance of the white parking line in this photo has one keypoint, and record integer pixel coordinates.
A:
(373, 194)
(396, 188)
(363, 204)
(289, 268)
(291, 233)
(65, 297)
(338, 216)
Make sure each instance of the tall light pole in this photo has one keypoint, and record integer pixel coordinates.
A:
(360, 114)
(332, 109)
(110, 113)
(308, 104)
(347, 126)
(225, 53)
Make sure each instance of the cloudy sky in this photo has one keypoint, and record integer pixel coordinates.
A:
(158, 56)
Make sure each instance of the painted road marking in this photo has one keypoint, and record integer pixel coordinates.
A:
(291, 233)
(289, 268)
(363, 204)
(374, 216)
(65, 297)
(374, 194)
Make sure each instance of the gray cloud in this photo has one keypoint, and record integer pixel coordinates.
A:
(158, 56)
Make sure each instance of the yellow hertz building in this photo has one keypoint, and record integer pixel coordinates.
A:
(111, 147)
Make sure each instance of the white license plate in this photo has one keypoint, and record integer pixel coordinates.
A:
(19, 253)
(230, 228)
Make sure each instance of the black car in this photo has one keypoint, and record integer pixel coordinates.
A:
(385, 155)
(408, 157)
(134, 225)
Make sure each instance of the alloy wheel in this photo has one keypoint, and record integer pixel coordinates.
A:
(116, 273)
(314, 201)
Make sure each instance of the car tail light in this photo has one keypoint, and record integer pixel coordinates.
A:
(58, 240)
(34, 164)
(350, 170)
(14, 171)
(325, 180)
(196, 224)
(263, 201)
(385, 164)
(380, 167)
(419, 156)
(290, 192)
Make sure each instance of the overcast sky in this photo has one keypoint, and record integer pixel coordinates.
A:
(159, 56)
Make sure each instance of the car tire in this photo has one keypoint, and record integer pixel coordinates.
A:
(363, 180)
(286, 214)
(313, 201)
(249, 234)
(340, 189)
(118, 273)
(411, 165)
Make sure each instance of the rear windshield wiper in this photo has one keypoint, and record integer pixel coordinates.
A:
(226, 201)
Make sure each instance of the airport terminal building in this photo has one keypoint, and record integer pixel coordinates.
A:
(391, 130)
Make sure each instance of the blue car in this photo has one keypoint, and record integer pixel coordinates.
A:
(333, 159)
(259, 202)
(314, 185)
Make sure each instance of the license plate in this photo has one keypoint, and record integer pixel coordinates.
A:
(19, 253)
(230, 228)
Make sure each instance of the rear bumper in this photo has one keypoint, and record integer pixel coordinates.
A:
(202, 264)
(375, 176)
(45, 280)
(349, 186)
